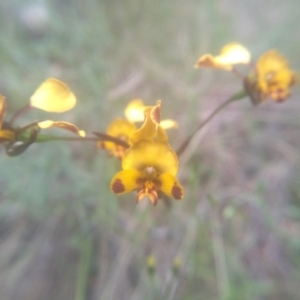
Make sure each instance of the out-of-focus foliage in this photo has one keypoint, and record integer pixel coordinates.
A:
(64, 235)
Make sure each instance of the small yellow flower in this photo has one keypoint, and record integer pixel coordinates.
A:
(230, 55)
(272, 78)
(121, 129)
(148, 167)
(53, 95)
(5, 134)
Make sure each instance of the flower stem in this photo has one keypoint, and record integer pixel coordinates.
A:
(41, 138)
(107, 137)
(238, 73)
(235, 97)
(20, 112)
(49, 138)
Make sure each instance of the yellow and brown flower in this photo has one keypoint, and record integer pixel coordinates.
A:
(272, 78)
(150, 164)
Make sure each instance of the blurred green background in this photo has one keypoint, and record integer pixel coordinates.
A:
(236, 234)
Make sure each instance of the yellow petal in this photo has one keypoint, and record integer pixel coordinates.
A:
(53, 96)
(158, 155)
(234, 53)
(2, 109)
(170, 186)
(7, 135)
(134, 111)
(125, 181)
(168, 124)
(231, 54)
(151, 129)
(63, 125)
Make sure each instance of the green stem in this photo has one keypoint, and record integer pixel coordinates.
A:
(49, 138)
(235, 97)
(107, 137)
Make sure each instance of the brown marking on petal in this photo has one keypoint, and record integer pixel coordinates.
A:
(177, 192)
(118, 187)
(155, 114)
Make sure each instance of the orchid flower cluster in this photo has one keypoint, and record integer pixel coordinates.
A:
(149, 163)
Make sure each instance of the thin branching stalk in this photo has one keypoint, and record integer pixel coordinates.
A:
(49, 138)
(187, 141)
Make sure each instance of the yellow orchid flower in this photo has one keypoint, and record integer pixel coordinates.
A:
(150, 168)
(150, 164)
(53, 95)
(272, 78)
(119, 128)
(230, 55)
(5, 134)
